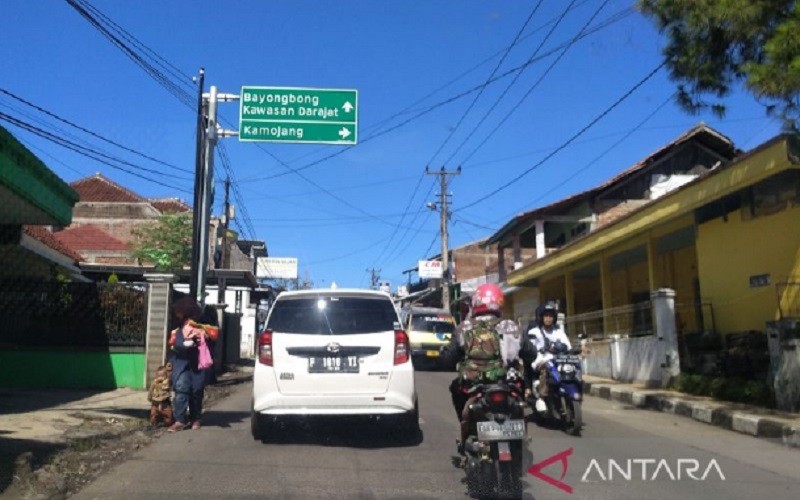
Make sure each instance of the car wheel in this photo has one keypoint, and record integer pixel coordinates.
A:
(258, 426)
(407, 426)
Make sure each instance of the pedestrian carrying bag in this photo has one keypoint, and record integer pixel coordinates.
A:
(204, 361)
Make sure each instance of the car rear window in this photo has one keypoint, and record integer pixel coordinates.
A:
(433, 323)
(332, 315)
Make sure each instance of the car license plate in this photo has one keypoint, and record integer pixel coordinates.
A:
(333, 364)
(432, 354)
(510, 429)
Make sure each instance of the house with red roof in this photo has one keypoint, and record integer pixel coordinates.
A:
(104, 219)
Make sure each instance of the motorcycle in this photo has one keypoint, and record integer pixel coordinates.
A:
(565, 384)
(497, 439)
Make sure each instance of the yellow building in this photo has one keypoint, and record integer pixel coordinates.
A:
(727, 242)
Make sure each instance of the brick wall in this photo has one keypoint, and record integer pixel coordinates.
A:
(471, 261)
(610, 210)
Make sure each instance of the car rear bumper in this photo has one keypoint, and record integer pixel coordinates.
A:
(268, 400)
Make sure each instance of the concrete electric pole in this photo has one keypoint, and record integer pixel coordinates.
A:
(445, 216)
(375, 276)
(208, 134)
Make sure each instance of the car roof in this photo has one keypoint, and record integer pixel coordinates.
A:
(331, 292)
(429, 310)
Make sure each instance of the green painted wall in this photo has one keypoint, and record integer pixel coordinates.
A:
(71, 370)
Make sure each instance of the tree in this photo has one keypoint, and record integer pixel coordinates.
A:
(714, 44)
(166, 243)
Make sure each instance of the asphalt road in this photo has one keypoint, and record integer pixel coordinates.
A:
(623, 453)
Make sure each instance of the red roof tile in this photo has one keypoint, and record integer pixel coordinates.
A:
(170, 205)
(100, 189)
(89, 238)
(39, 233)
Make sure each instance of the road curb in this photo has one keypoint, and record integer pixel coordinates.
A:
(734, 420)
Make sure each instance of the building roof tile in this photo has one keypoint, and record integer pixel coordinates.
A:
(89, 238)
(98, 188)
(41, 234)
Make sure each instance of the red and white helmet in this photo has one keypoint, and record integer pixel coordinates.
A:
(487, 299)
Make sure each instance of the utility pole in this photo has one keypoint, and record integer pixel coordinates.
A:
(198, 182)
(375, 276)
(204, 184)
(445, 216)
(225, 222)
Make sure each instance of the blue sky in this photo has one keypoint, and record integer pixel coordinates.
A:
(344, 214)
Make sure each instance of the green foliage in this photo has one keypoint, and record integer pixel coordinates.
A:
(166, 243)
(714, 44)
(113, 279)
(727, 389)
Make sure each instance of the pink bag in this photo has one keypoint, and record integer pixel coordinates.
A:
(204, 361)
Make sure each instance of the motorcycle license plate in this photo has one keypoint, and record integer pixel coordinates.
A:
(568, 358)
(432, 354)
(510, 429)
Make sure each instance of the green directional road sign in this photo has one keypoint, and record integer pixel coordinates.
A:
(301, 115)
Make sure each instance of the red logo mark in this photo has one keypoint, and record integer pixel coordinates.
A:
(536, 470)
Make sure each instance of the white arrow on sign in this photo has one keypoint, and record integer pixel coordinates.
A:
(347, 107)
(344, 133)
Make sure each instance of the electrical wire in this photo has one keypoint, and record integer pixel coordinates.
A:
(513, 81)
(597, 158)
(533, 87)
(491, 75)
(84, 151)
(93, 134)
(570, 140)
(611, 20)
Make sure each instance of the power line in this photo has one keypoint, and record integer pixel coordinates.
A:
(409, 108)
(93, 134)
(83, 150)
(597, 158)
(571, 139)
(602, 25)
(512, 82)
(461, 120)
(491, 75)
(535, 85)
(169, 67)
(151, 70)
(393, 253)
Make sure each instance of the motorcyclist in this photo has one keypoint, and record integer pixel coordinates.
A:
(548, 338)
(486, 347)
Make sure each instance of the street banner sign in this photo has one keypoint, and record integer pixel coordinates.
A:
(431, 269)
(298, 115)
(276, 268)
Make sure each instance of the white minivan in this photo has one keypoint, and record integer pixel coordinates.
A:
(333, 352)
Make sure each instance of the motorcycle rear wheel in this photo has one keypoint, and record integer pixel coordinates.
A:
(573, 418)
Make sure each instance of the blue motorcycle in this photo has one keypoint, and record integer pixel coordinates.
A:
(565, 388)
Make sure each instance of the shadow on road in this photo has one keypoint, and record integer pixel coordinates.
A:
(224, 419)
(11, 451)
(363, 433)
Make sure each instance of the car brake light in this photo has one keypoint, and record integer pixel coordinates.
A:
(265, 348)
(401, 347)
(497, 397)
